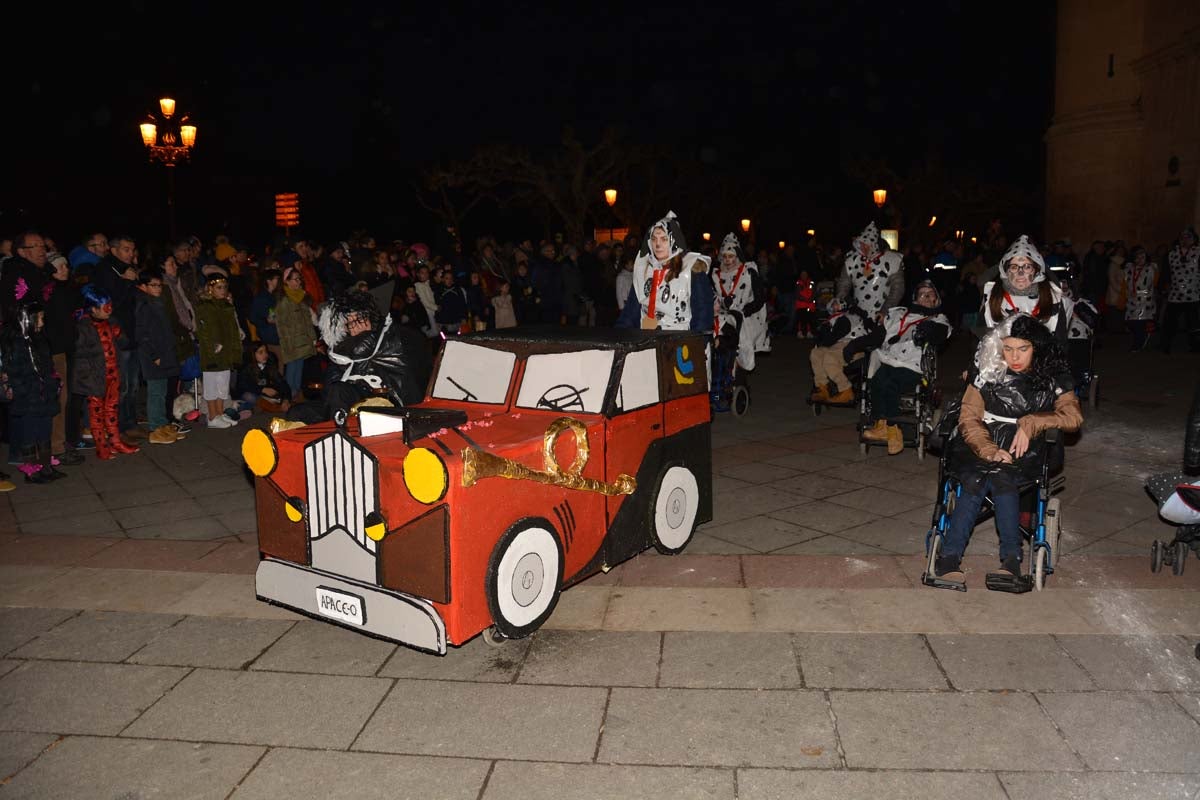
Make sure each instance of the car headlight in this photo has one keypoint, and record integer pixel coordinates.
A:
(425, 475)
(295, 509)
(259, 453)
(375, 526)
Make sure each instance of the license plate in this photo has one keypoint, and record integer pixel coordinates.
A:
(341, 606)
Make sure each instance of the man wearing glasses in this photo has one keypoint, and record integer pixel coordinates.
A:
(116, 274)
(84, 256)
(23, 276)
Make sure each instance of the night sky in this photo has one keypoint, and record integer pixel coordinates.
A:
(345, 102)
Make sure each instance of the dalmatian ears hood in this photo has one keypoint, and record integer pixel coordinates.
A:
(870, 238)
(730, 244)
(1023, 247)
(670, 224)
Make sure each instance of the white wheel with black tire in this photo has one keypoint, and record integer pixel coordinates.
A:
(739, 402)
(673, 510)
(524, 578)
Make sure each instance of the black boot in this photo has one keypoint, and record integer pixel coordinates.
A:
(47, 462)
(30, 467)
(70, 457)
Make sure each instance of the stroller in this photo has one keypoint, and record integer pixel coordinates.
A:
(1178, 499)
(1045, 524)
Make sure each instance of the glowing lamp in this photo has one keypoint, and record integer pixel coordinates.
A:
(188, 134)
(149, 133)
(610, 197)
(706, 236)
(932, 220)
(811, 232)
(167, 106)
(745, 226)
(782, 244)
(974, 240)
(880, 197)
(958, 234)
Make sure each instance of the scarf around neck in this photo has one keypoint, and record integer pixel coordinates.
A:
(1032, 291)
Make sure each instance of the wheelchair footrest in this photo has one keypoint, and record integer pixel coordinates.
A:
(941, 583)
(1003, 582)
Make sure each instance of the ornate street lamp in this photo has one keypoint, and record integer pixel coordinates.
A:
(169, 141)
(880, 197)
(610, 197)
(706, 236)
(745, 226)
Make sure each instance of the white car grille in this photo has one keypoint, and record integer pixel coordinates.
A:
(342, 484)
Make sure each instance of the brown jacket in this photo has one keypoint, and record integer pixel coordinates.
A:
(1066, 416)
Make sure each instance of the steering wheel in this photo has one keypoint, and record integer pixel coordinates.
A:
(562, 397)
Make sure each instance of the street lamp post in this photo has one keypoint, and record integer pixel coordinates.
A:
(880, 196)
(168, 140)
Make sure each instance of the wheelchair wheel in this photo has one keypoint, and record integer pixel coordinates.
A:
(739, 403)
(920, 446)
(1094, 392)
(1039, 569)
(1181, 551)
(935, 547)
(1156, 556)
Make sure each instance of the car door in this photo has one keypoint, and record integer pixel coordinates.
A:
(632, 434)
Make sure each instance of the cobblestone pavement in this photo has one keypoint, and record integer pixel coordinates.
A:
(789, 653)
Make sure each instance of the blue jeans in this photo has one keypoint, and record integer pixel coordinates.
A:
(156, 402)
(966, 511)
(293, 373)
(131, 374)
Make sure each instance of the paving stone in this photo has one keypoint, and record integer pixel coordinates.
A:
(759, 534)
(832, 572)
(874, 474)
(723, 483)
(159, 513)
(729, 661)
(125, 477)
(684, 570)
(701, 727)
(1190, 703)
(815, 485)
(592, 658)
(152, 554)
(1127, 731)
(319, 711)
(104, 589)
(486, 721)
(823, 516)
(198, 528)
(239, 520)
(79, 505)
(326, 649)
(220, 485)
(654, 609)
(19, 749)
(889, 534)
(1098, 786)
(123, 768)
(580, 608)
(756, 472)
(217, 595)
(117, 499)
(745, 503)
(20, 625)
(703, 544)
(53, 550)
(97, 636)
(877, 500)
(474, 661)
(806, 462)
(217, 642)
(56, 493)
(774, 784)
(8, 666)
(93, 523)
(519, 781)
(867, 661)
(1146, 663)
(67, 697)
(319, 775)
(1028, 662)
(890, 730)
(829, 544)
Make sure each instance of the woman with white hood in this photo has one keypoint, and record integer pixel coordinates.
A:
(671, 289)
(872, 278)
(1023, 289)
(741, 295)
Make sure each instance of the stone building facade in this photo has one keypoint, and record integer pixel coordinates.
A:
(1123, 148)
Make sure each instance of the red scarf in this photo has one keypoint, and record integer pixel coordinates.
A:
(1008, 299)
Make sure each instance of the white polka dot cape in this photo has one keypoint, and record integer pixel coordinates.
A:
(672, 305)
(754, 336)
(1139, 291)
(1080, 329)
(871, 281)
(1025, 305)
(905, 353)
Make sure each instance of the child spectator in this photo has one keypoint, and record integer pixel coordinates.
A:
(35, 387)
(295, 322)
(478, 307)
(97, 373)
(806, 306)
(527, 300)
(260, 383)
(260, 312)
(220, 348)
(156, 349)
(502, 304)
(413, 314)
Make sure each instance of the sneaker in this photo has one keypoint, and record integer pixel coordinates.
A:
(164, 435)
(181, 429)
(136, 433)
(221, 421)
(87, 434)
(84, 444)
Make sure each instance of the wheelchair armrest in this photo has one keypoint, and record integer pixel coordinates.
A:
(1053, 436)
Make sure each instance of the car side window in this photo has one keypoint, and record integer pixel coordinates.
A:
(573, 382)
(639, 381)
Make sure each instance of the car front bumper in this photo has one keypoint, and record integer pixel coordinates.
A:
(389, 615)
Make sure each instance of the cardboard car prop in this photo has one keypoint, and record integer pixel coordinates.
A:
(538, 458)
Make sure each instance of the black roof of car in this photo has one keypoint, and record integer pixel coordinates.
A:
(582, 338)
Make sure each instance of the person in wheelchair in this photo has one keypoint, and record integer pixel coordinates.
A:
(844, 325)
(1020, 388)
(902, 336)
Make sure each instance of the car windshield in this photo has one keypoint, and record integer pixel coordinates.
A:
(473, 373)
(573, 381)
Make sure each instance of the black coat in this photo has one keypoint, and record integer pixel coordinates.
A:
(156, 339)
(30, 370)
(402, 361)
(18, 269)
(87, 377)
(107, 276)
(252, 379)
(60, 310)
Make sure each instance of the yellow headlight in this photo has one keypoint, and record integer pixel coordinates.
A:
(375, 526)
(258, 451)
(425, 475)
(294, 507)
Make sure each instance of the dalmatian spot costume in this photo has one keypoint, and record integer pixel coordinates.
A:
(666, 299)
(741, 290)
(1185, 273)
(1080, 329)
(1025, 304)
(900, 324)
(1139, 291)
(877, 282)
